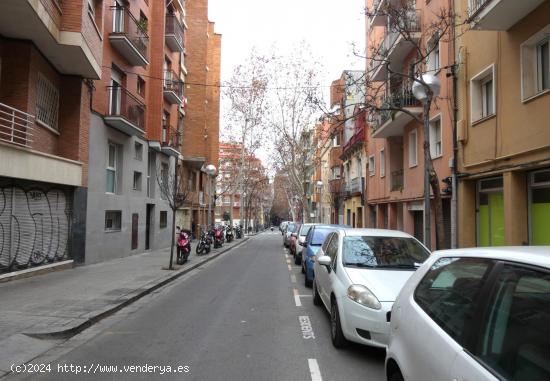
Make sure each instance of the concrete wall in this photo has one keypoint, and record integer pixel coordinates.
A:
(102, 245)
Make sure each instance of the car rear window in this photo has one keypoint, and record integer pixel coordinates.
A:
(304, 230)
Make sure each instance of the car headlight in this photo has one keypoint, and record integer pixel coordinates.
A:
(364, 296)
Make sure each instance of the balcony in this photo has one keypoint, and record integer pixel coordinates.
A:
(397, 180)
(397, 43)
(71, 49)
(236, 204)
(126, 113)
(16, 126)
(173, 34)
(170, 144)
(129, 37)
(172, 88)
(392, 122)
(377, 15)
(499, 14)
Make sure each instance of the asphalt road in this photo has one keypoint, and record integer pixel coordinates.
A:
(243, 316)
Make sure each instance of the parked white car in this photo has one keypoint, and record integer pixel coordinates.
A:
(358, 274)
(301, 237)
(474, 314)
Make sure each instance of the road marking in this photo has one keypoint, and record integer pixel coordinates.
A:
(297, 298)
(314, 370)
(293, 278)
(307, 329)
(289, 268)
(288, 261)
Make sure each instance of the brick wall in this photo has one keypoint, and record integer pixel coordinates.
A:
(53, 10)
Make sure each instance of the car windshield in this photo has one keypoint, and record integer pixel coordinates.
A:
(383, 252)
(304, 230)
(290, 228)
(319, 236)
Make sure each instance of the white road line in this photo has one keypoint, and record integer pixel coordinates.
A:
(293, 278)
(289, 268)
(297, 298)
(314, 370)
(288, 261)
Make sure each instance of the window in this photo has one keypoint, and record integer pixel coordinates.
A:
(514, 336)
(137, 181)
(138, 151)
(436, 149)
(482, 94)
(383, 252)
(163, 219)
(326, 243)
(336, 140)
(433, 54)
(336, 173)
(413, 160)
(372, 169)
(539, 207)
(332, 249)
(535, 64)
(47, 102)
(118, 17)
(112, 164)
(490, 212)
(449, 293)
(141, 86)
(91, 7)
(382, 163)
(164, 181)
(113, 220)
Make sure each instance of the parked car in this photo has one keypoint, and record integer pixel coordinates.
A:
(312, 243)
(293, 239)
(358, 275)
(288, 231)
(301, 237)
(474, 314)
(282, 227)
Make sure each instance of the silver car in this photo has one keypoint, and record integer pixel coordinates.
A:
(474, 314)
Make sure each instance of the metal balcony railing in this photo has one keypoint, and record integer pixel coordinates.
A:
(124, 23)
(16, 126)
(474, 6)
(174, 28)
(402, 97)
(356, 185)
(173, 83)
(123, 104)
(397, 180)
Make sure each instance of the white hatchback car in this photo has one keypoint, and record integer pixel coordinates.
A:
(358, 274)
(474, 314)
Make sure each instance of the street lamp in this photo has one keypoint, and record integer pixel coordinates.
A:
(210, 170)
(319, 185)
(425, 89)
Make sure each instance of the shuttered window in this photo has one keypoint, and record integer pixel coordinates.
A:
(47, 102)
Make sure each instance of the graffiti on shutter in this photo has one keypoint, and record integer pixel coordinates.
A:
(34, 227)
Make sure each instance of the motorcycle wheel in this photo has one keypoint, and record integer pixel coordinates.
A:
(200, 248)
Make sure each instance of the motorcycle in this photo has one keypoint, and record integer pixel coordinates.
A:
(203, 247)
(218, 237)
(184, 248)
(238, 232)
(229, 234)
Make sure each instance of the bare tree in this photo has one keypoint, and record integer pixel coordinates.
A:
(174, 189)
(295, 87)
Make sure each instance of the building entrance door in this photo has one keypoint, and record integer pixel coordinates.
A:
(149, 225)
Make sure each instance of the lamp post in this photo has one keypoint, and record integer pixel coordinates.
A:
(210, 170)
(319, 185)
(425, 89)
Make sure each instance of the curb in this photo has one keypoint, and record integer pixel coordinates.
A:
(69, 332)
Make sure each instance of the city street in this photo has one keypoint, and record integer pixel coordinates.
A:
(244, 316)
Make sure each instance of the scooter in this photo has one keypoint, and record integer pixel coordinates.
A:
(218, 237)
(229, 234)
(184, 248)
(238, 232)
(203, 247)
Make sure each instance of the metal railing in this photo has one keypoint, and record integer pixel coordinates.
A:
(401, 97)
(474, 6)
(173, 83)
(16, 126)
(122, 103)
(126, 24)
(397, 180)
(174, 28)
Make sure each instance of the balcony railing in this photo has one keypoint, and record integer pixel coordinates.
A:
(475, 6)
(401, 98)
(173, 87)
(126, 112)
(397, 180)
(356, 185)
(16, 126)
(173, 32)
(129, 36)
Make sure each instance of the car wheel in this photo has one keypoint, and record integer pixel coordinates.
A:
(297, 260)
(316, 297)
(336, 334)
(303, 270)
(397, 376)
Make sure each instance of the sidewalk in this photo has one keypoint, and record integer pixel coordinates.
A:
(60, 304)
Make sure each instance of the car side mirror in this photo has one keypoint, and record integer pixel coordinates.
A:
(325, 261)
(304, 244)
(294, 235)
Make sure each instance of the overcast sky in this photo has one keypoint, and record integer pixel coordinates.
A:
(329, 26)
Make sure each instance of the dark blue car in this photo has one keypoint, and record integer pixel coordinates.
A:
(314, 240)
